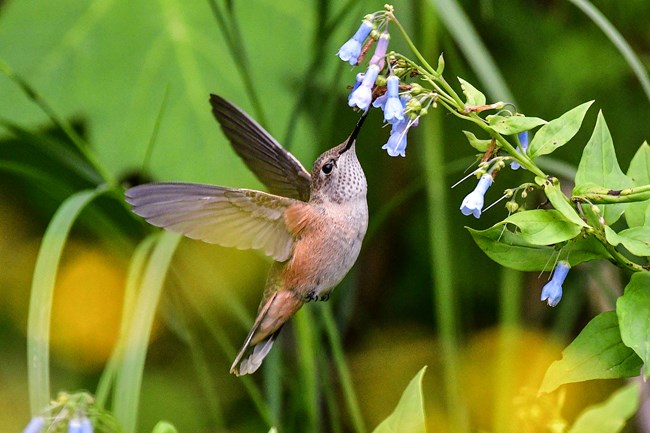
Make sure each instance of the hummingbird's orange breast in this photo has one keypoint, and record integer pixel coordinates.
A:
(328, 243)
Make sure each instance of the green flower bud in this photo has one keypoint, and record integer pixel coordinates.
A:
(416, 89)
(512, 206)
(413, 105)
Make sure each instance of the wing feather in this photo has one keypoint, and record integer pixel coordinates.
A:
(273, 165)
(229, 217)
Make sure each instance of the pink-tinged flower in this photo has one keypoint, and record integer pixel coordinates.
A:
(380, 51)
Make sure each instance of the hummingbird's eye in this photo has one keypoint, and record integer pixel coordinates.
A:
(327, 168)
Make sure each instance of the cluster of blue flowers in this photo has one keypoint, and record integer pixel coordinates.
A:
(78, 424)
(367, 91)
(403, 103)
(67, 413)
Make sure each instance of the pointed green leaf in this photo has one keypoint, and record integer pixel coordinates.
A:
(559, 201)
(477, 143)
(42, 295)
(513, 251)
(558, 131)
(596, 353)
(638, 214)
(611, 415)
(408, 416)
(474, 96)
(636, 240)
(544, 227)
(513, 124)
(164, 427)
(599, 166)
(633, 309)
(179, 44)
(130, 371)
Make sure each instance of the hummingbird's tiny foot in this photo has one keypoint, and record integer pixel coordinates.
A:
(325, 297)
(311, 296)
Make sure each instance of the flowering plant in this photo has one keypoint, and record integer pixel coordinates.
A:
(562, 232)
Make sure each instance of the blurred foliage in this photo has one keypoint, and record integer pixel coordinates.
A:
(105, 67)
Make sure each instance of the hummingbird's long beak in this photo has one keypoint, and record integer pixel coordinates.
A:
(355, 132)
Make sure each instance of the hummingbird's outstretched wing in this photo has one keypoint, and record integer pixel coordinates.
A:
(238, 218)
(273, 165)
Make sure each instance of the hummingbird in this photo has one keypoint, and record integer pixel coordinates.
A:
(311, 224)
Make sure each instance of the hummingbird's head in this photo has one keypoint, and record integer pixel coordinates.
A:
(337, 175)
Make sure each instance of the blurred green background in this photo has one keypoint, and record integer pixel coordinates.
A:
(114, 68)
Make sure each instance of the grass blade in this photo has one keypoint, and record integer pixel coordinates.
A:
(42, 294)
(61, 123)
(342, 369)
(308, 370)
(619, 42)
(229, 350)
(133, 280)
(131, 368)
(478, 56)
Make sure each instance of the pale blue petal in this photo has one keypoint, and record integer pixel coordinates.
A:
(35, 425)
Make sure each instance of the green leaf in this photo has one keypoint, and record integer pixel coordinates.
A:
(129, 374)
(543, 227)
(477, 143)
(558, 131)
(559, 201)
(474, 96)
(610, 416)
(633, 309)
(636, 239)
(597, 353)
(164, 427)
(513, 124)
(599, 166)
(42, 295)
(513, 251)
(171, 44)
(408, 416)
(638, 214)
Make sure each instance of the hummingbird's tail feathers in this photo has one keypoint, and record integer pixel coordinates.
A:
(254, 358)
(272, 316)
(228, 217)
(273, 165)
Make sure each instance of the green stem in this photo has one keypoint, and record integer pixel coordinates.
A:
(441, 270)
(64, 125)
(230, 30)
(228, 349)
(199, 359)
(308, 371)
(599, 195)
(618, 258)
(510, 305)
(342, 369)
(42, 296)
(441, 251)
(412, 46)
(133, 280)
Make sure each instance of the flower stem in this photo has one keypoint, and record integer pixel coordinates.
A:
(412, 45)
